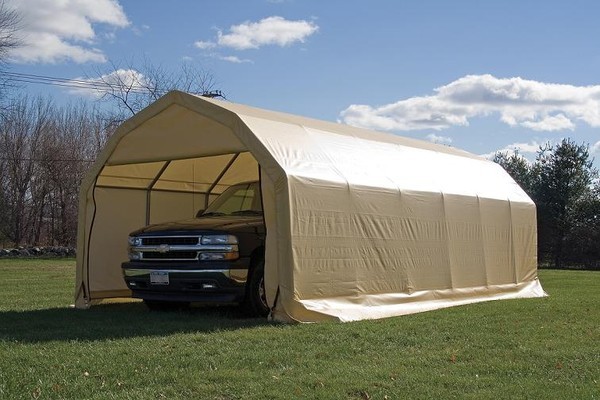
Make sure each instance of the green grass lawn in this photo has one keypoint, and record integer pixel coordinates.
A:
(536, 348)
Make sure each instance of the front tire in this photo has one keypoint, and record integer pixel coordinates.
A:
(255, 303)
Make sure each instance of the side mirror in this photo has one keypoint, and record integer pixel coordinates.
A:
(199, 213)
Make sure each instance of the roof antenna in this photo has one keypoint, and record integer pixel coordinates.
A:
(213, 93)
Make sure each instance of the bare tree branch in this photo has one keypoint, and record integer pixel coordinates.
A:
(45, 151)
(132, 87)
(9, 25)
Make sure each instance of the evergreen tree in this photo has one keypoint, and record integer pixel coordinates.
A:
(562, 182)
(518, 168)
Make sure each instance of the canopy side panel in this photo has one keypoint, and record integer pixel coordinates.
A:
(118, 212)
(381, 229)
(466, 241)
(421, 228)
(496, 225)
(243, 169)
(138, 176)
(174, 206)
(201, 174)
(524, 241)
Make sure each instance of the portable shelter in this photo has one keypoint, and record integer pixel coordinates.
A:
(360, 224)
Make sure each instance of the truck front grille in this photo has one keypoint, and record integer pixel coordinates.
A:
(171, 240)
(179, 248)
(170, 255)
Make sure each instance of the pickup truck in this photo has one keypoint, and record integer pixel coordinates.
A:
(217, 257)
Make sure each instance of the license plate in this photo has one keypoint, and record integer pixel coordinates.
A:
(159, 278)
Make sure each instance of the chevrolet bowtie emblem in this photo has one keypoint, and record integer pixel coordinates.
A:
(163, 248)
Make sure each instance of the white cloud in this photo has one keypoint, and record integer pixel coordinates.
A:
(432, 137)
(97, 87)
(557, 122)
(56, 31)
(234, 59)
(523, 149)
(274, 31)
(140, 30)
(595, 148)
(268, 31)
(201, 44)
(518, 102)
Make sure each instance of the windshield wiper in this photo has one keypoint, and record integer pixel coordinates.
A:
(247, 212)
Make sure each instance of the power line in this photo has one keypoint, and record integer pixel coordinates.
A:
(97, 85)
(91, 84)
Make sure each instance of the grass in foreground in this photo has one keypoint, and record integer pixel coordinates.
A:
(534, 348)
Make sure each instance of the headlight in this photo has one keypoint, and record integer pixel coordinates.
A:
(135, 241)
(222, 247)
(219, 239)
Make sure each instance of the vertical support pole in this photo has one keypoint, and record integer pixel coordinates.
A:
(149, 190)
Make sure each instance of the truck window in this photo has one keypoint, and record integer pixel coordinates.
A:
(244, 197)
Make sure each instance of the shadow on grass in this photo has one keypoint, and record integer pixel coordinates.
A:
(116, 321)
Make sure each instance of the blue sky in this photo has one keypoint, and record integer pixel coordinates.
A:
(478, 75)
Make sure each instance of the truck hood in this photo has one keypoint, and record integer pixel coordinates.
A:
(210, 224)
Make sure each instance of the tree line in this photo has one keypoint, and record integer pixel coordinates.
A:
(565, 186)
(45, 150)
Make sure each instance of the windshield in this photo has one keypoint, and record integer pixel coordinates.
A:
(242, 199)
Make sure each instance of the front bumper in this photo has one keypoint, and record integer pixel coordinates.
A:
(210, 284)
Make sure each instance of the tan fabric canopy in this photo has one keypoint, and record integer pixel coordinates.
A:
(360, 224)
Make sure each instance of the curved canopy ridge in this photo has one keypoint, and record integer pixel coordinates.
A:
(360, 224)
(182, 134)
